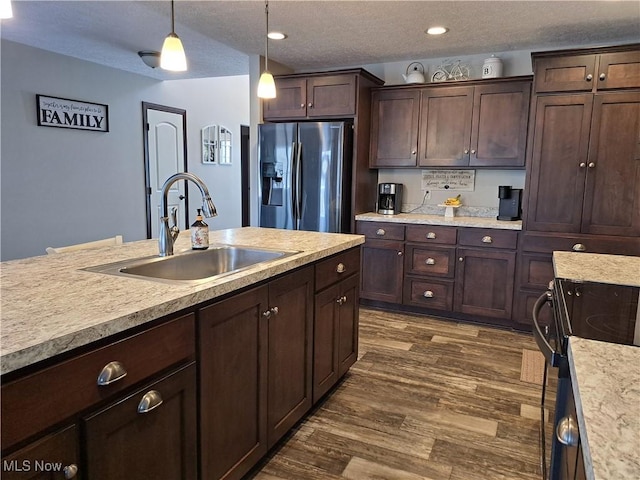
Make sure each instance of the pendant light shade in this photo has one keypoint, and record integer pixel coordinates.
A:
(266, 85)
(172, 56)
(5, 9)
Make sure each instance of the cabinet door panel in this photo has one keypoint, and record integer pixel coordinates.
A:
(122, 443)
(561, 139)
(348, 316)
(499, 126)
(484, 282)
(291, 101)
(290, 352)
(620, 70)
(394, 128)
(612, 197)
(445, 126)
(325, 339)
(563, 74)
(382, 271)
(59, 449)
(232, 346)
(333, 95)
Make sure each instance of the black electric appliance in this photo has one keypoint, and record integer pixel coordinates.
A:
(510, 206)
(596, 311)
(389, 198)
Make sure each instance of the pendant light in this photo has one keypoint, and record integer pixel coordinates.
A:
(5, 9)
(172, 56)
(266, 85)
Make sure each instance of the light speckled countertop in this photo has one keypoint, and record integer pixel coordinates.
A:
(594, 267)
(426, 219)
(50, 306)
(606, 386)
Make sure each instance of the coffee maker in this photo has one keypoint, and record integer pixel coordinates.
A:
(510, 207)
(389, 198)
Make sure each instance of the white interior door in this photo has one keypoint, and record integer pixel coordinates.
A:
(166, 157)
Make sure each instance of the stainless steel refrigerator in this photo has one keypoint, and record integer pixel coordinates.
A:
(305, 175)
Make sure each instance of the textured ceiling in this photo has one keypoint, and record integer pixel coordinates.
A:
(219, 35)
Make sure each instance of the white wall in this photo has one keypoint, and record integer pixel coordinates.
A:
(63, 186)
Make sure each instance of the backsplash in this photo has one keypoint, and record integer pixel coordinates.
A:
(460, 212)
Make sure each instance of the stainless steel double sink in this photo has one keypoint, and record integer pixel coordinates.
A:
(194, 266)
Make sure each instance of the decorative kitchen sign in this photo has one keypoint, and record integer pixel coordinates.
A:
(461, 180)
(65, 113)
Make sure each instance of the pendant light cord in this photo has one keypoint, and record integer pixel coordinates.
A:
(173, 19)
(266, 38)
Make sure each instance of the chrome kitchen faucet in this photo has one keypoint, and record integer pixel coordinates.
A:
(167, 236)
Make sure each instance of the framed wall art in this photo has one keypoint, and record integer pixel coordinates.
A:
(75, 114)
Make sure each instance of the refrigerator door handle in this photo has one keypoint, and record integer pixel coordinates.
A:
(299, 184)
(294, 200)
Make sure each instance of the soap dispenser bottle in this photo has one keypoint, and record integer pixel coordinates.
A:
(199, 233)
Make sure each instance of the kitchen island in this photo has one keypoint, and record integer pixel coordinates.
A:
(606, 376)
(116, 376)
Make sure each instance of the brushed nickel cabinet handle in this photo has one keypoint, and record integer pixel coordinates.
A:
(487, 239)
(473, 151)
(567, 431)
(380, 232)
(150, 401)
(413, 152)
(430, 261)
(461, 259)
(70, 471)
(583, 164)
(579, 247)
(428, 294)
(302, 105)
(275, 310)
(466, 150)
(602, 76)
(341, 268)
(111, 372)
(266, 313)
(310, 105)
(431, 235)
(592, 164)
(400, 253)
(589, 78)
(341, 300)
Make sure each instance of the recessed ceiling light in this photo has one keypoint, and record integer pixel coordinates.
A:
(276, 35)
(436, 30)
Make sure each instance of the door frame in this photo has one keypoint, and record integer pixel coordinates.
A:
(147, 180)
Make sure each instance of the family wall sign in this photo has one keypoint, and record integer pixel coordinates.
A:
(66, 113)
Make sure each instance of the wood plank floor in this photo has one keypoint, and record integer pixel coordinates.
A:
(427, 399)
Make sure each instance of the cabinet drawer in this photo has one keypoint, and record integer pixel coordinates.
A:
(71, 386)
(428, 293)
(383, 231)
(488, 237)
(610, 245)
(430, 260)
(432, 234)
(337, 268)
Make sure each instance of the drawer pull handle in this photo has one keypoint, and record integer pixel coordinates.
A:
(150, 400)
(341, 268)
(70, 471)
(111, 372)
(567, 431)
(428, 294)
(579, 247)
(431, 235)
(487, 239)
(380, 232)
(430, 261)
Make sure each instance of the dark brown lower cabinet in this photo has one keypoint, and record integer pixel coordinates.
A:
(233, 384)
(53, 457)
(382, 270)
(149, 434)
(484, 282)
(335, 334)
(290, 349)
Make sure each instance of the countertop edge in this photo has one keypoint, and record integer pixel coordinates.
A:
(426, 219)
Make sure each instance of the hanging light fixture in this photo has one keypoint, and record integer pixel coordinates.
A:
(172, 56)
(266, 85)
(5, 9)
